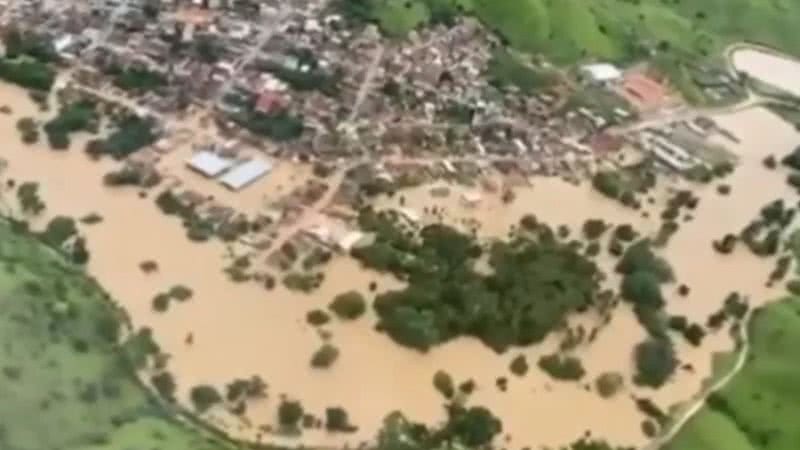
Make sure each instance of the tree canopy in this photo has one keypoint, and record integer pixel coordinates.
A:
(536, 282)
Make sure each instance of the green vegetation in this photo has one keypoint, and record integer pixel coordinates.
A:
(29, 200)
(443, 383)
(608, 384)
(27, 73)
(519, 366)
(324, 357)
(337, 420)
(302, 282)
(290, 413)
(621, 30)
(74, 379)
(537, 281)
(349, 305)
(28, 129)
(734, 418)
(307, 75)
(655, 362)
(507, 69)
(317, 317)
(73, 117)
(136, 79)
(131, 133)
(204, 397)
(280, 126)
(562, 367)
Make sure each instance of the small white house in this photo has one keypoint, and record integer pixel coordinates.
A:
(601, 73)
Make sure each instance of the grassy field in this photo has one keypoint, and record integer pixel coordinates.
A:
(568, 31)
(759, 409)
(64, 382)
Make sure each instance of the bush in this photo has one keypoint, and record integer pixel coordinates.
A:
(58, 231)
(349, 305)
(306, 283)
(770, 162)
(204, 397)
(443, 383)
(694, 334)
(625, 233)
(290, 413)
(608, 384)
(165, 385)
(337, 419)
(180, 292)
(561, 367)
(655, 362)
(519, 366)
(161, 302)
(324, 357)
(594, 228)
(317, 317)
(473, 427)
(793, 287)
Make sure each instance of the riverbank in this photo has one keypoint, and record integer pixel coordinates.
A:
(733, 417)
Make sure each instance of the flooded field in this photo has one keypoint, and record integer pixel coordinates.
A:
(770, 67)
(242, 329)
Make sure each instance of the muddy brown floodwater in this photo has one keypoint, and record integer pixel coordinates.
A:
(241, 329)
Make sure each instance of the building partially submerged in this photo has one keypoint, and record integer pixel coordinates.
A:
(245, 174)
(209, 163)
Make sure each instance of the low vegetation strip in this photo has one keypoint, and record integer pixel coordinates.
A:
(65, 381)
(758, 409)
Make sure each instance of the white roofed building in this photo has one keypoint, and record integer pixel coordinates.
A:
(245, 174)
(601, 73)
(209, 163)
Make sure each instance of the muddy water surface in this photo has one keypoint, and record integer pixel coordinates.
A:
(240, 330)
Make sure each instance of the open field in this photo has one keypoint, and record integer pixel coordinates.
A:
(759, 408)
(65, 383)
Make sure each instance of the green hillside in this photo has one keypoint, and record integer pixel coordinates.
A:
(759, 409)
(65, 384)
(568, 31)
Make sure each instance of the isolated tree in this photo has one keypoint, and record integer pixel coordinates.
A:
(290, 413)
(443, 383)
(349, 305)
(204, 397)
(655, 362)
(165, 385)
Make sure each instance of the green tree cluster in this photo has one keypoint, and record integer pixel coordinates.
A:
(279, 126)
(655, 362)
(131, 133)
(561, 367)
(536, 282)
(29, 74)
(73, 117)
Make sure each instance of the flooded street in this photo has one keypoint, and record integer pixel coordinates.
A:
(242, 329)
